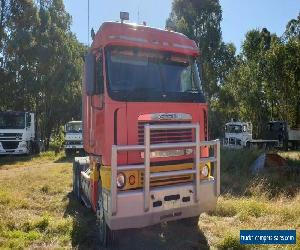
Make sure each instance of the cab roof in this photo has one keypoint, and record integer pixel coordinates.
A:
(238, 123)
(15, 112)
(73, 122)
(133, 35)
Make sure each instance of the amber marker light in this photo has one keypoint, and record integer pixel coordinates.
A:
(131, 179)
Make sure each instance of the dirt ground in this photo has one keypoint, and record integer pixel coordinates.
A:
(38, 210)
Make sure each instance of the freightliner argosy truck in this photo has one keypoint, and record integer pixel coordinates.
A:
(145, 130)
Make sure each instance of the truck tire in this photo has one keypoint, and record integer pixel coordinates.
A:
(106, 235)
(68, 152)
(79, 164)
(29, 148)
(76, 179)
(36, 147)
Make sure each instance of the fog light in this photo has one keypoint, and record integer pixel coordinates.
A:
(120, 180)
(131, 179)
(205, 171)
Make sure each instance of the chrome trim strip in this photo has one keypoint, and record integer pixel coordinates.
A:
(114, 152)
(147, 168)
(197, 163)
(173, 173)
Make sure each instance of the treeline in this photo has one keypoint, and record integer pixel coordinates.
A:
(41, 65)
(260, 83)
(40, 62)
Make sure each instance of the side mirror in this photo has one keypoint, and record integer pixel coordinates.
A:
(90, 74)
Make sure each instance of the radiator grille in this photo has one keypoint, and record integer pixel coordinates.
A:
(10, 144)
(10, 136)
(165, 136)
(165, 181)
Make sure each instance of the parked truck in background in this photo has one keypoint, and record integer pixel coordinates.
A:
(239, 135)
(73, 138)
(287, 137)
(145, 130)
(18, 133)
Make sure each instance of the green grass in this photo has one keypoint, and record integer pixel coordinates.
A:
(12, 161)
(36, 206)
(37, 209)
(265, 201)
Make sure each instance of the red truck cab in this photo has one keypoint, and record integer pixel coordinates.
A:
(145, 130)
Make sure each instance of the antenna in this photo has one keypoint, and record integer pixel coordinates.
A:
(138, 14)
(88, 23)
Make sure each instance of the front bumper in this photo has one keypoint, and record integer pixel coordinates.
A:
(150, 205)
(74, 146)
(18, 151)
(130, 205)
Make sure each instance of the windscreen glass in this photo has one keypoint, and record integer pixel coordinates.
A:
(12, 120)
(74, 127)
(233, 129)
(136, 74)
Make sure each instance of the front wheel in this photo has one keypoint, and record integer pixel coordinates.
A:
(76, 179)
(106, 234)
(68, 152)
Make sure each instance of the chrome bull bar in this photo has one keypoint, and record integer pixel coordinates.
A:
(147, 147)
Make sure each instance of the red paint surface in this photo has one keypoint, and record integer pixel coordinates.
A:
(98, 111)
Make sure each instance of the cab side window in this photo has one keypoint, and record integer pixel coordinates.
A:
(28, 120)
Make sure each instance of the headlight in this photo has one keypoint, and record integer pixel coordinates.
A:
(120, 180)
(205, 171)
(23, 144)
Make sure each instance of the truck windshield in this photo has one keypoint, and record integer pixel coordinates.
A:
(233, 129)
(146, 75)
(74, 127)
(12, 120)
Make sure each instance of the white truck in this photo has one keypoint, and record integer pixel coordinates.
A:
(239, 135)
(18, 133)
(73, 138)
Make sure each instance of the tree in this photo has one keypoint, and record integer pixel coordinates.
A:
(265, 82)
(43, 64)
(292, 29)
(200, 21)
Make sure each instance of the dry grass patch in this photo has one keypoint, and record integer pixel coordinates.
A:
(261, 202)
(34, 203)
(11, 161)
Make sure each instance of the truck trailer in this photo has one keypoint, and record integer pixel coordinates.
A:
(18, 133)
(145, 131)
(280, 130)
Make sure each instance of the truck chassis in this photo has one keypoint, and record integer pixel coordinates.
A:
(150, 205)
